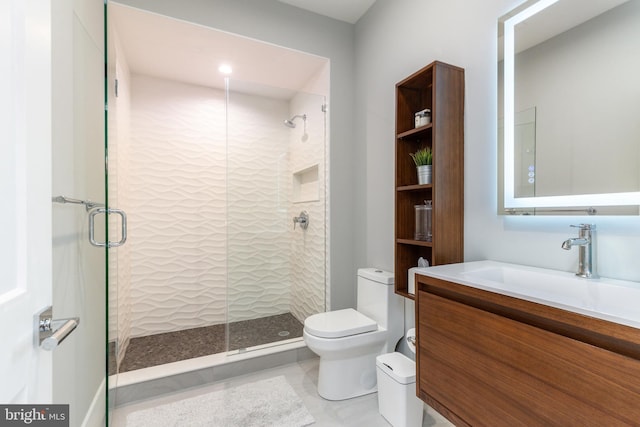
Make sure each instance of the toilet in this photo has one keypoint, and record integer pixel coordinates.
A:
(349, 340)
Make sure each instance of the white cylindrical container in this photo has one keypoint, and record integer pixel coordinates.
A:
(423, 117)
(397, 400)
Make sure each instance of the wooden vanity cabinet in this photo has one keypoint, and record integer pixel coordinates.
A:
(440, 88)
(485, 359)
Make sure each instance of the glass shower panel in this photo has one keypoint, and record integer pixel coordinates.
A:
(114, 347)
(275, 171)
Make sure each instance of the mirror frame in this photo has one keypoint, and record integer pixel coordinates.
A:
(510, 201)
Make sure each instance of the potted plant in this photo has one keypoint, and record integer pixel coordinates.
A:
(423, 158)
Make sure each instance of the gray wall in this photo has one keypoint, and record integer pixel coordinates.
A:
(396, 38)
(278, 23)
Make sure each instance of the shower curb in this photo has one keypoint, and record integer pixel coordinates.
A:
(231, 367)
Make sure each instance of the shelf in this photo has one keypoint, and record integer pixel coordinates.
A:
(415, 187)
(439, 87)
(414, 242)
(415, 131)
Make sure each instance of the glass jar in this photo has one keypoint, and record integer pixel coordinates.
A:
(423, 214)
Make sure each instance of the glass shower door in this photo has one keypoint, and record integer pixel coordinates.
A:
(275, 172)
(78, 175)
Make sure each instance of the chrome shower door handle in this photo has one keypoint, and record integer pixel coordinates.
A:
(123, 237)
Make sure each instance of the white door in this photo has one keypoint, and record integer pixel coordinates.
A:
(25, 191)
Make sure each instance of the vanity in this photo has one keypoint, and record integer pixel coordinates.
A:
(507, 345)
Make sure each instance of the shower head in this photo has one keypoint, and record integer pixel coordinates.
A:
(290, 123)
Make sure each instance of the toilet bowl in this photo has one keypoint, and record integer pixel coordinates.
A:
(349, 340)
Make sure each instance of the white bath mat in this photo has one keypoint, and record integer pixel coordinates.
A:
(270, 402)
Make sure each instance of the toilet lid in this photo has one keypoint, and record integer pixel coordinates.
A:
(339, 323)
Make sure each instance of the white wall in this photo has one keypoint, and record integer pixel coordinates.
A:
(281, 24)
(396, 38)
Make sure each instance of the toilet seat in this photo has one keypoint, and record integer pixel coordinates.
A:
(339, 323)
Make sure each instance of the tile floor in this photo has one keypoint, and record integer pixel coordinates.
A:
(302, 376)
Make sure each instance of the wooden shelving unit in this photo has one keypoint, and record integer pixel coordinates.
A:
(439, 87)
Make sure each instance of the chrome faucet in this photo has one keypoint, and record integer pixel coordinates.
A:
(303, 220)
(587, 252)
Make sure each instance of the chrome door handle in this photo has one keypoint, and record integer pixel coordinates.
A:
(52, 332)
(108, 211)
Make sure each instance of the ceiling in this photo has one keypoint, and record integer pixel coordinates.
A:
(172, 49)
(343, 10)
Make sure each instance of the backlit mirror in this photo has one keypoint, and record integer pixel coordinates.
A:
(569, 106)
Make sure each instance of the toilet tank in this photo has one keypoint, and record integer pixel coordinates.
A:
(377, 299)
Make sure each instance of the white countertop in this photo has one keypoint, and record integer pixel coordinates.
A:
(613, 300)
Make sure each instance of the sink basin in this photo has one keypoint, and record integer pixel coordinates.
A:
(609, 299)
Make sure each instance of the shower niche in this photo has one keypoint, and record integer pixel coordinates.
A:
(204, 168)
(306, 185)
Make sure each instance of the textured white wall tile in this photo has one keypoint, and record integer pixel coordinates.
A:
(308, 247)
(178, 206)
(258, 267)
(205, 213)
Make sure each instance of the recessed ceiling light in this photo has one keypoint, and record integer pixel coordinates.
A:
(225, 69)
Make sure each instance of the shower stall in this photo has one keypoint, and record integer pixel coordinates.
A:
(211, 180)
